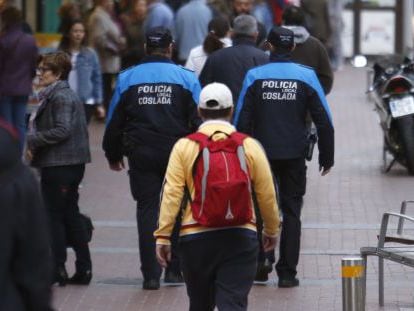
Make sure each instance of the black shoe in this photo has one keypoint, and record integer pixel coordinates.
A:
(173, 277)
(263, 270)
(287, 283)
(61, 276)
(151, 284)
(81, 278)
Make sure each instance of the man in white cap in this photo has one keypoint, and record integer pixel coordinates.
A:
(218, 253)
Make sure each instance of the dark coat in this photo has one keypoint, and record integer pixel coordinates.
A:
(61, 135)
(311, 52)
(18, 56)
(25, 261)
(317, 18)
(154, 104)
(229, 65)
(273, 105)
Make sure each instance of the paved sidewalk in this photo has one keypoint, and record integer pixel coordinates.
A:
(341, 213)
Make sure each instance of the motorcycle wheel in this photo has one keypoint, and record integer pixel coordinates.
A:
(406, 129)
(386, 165)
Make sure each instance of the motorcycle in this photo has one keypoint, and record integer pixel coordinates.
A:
(392, 91)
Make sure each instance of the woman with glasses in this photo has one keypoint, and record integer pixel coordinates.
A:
(58, 145)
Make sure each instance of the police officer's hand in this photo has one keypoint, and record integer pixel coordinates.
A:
(324, 170)
(269, 243)
(117, 166)
(163, 254)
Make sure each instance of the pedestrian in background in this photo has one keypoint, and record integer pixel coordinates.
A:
(309, 50)
(216, 39)
(11, 3)
(317, 19)
(58, 146)
(229, 66)
(335, 48)
(133, 20)
(106, 38)
(25, 261)
(191, 23)
(159, 15)
(245, 7)
(219, 263)
(85, 78)
(272, 107)
(18, 56)
(154, 105)
(263, 14)
(68, 12)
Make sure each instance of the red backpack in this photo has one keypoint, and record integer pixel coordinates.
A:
(222, 182)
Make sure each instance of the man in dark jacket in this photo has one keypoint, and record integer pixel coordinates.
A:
(229, 65)
(25, 262)
(272, 107)
(154, 105)
(317, 15)
(309, 50)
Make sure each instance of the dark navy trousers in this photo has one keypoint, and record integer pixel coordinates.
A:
(146, 175)
(219, 269)
(290, 175)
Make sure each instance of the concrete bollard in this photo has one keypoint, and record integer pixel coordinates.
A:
(353, 282)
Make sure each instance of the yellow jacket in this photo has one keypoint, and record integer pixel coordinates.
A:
(179, 173)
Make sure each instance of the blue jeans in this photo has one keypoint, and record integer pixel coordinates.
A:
(13, 110)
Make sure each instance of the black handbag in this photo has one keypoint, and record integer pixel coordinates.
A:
(87, 227)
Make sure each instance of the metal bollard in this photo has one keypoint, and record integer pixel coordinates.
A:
(353, 274)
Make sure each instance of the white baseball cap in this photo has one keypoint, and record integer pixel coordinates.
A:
(215, 96)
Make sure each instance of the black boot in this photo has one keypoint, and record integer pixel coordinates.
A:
(61, 276)
(81, 278)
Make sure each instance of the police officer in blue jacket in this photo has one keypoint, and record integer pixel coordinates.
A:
(154, 104)
(272, 107)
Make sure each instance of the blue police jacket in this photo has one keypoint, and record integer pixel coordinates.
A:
(272, 107)
(154, 104)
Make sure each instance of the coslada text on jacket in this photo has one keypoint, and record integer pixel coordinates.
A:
(279, 90)
(155, 94)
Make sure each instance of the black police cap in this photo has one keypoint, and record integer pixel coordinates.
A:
(159, 37)
(281, 38)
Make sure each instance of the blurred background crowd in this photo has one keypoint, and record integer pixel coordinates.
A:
(115, 32)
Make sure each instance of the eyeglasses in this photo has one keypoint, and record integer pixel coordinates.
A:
(42, 70)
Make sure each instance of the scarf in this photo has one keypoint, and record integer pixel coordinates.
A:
(44, 93)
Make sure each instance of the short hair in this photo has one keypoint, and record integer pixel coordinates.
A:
(293, 16)
(59, 63)
(10, 16)
(245, 25)
(210, 114)
(156, 51)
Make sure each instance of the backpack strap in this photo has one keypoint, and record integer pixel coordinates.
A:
(201, 138)
(203, 141)
(238, 137)
(241, 154)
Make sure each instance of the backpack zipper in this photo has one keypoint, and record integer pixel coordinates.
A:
(227, 166)
(229, 214)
